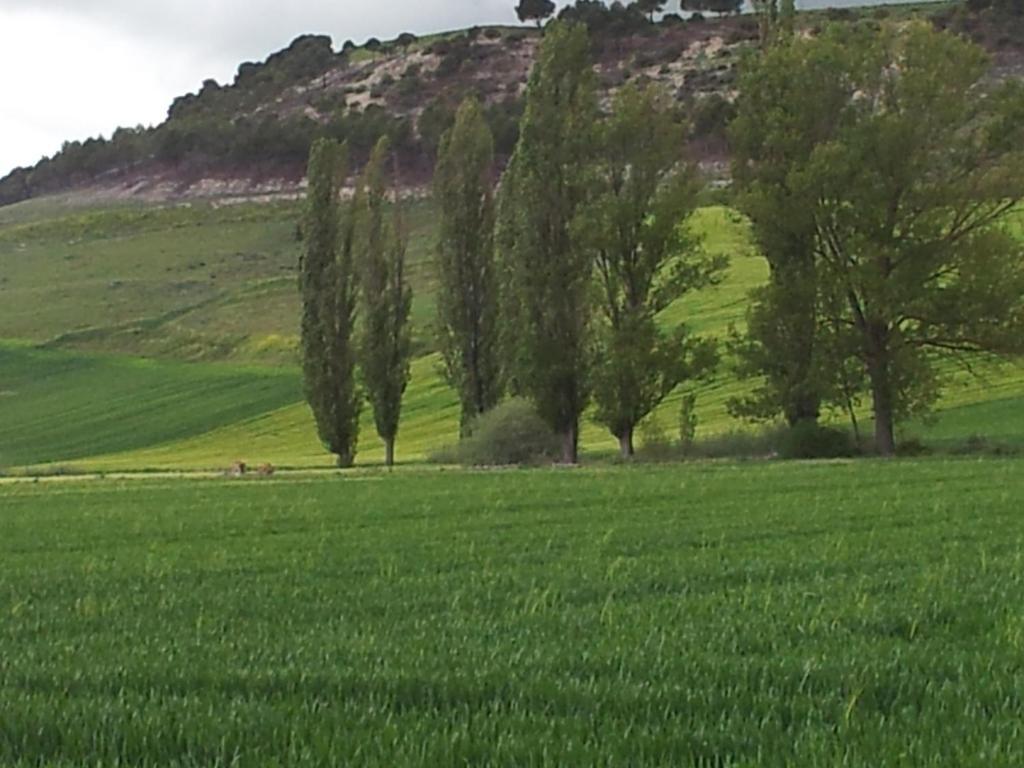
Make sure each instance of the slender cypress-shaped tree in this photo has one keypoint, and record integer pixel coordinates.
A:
(329, 287)
(546, 271)
(385, 348)
(467, 300)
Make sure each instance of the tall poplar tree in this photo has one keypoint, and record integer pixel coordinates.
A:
(645, 259)
(547, 272)
(385, 348)
(329, 287)
(790, 98)
(467, 300)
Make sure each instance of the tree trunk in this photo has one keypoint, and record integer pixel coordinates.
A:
(389, 452)
(570, 453)
(881, 400)
(345, 460)
(626, 449)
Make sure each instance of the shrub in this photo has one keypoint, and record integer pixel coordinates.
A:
(810, 440)
(409, 86)
(737, 444)
(711, 116)
(645, 59)
(912, 446)
(511, 433)
(839, 14)
(979, 445)
(687, 422)
(654, 439)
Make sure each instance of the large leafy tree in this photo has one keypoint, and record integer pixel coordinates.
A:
(534, 10)
(547, 272)
(724, 7)
(467, 300)
(914, 195)
(644, 260)
(385, 347)
(790, 99)
(905, 185)
(650, 7)
(329, 287)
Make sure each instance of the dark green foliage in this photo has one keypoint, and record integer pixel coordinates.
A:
(644, 260)
(329, 287)
(510, 433)
(603, 21)
(922, 264)
(900, 178)
(534, 10)
(783, 349)
(434, 121)
(503, 121)
(455, 52)
(710, 117)
(649, 7)
(810, 440)
(546, 271)
(724, 7)
(789, 100)
(467, 299)
(385, 348)
(361, 129)
(688, 422)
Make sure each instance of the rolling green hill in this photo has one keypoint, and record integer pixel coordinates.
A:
(210, 294)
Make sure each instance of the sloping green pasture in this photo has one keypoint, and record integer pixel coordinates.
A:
(813, 614)
(193, 282)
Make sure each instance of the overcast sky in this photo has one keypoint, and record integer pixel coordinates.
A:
(72, 69)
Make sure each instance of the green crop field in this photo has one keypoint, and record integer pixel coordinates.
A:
(815, 614)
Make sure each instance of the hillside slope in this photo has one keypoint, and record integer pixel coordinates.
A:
(248, 139)
(77, 402)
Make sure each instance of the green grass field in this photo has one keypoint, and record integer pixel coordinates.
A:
(813, 614)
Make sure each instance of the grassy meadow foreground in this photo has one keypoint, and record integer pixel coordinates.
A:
(825, 614)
